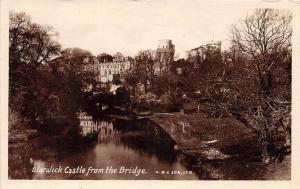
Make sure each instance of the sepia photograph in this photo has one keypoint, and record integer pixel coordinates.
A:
(149, 90)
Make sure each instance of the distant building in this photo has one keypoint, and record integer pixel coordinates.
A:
(163, 56)
(106, 70)
(199, 54)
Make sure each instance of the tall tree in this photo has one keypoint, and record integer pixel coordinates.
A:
(103, 57)
(82, 66)
(253, 98)
(266, 36)
(144, 68)
(31, 46)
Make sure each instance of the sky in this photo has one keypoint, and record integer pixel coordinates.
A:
(127, 26)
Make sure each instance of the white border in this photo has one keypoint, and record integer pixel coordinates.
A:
(31, 184)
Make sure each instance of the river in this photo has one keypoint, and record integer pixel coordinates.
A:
(120, 145)
(134, 149)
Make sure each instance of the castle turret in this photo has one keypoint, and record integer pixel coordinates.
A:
(164, 55)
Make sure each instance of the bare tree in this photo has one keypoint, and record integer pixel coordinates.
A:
(255, 98)
(266, 36)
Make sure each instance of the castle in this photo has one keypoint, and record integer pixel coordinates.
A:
(199, 54)
(106, 70)
(163, 56)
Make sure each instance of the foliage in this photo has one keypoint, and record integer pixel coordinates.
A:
(105, 57)
(44, 81)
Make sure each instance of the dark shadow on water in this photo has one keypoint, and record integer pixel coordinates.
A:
(131, 142)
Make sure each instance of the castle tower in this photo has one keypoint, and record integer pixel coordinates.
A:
(164, 56)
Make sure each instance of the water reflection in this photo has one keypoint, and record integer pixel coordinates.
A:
(104, 129)
(131, 143)
(120, 142)
(142, 136)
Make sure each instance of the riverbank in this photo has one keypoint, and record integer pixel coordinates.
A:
(222, 149)
(209, 138)
(19, 148)
(24, 145)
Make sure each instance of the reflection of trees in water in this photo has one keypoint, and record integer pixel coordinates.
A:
(142, 136)
(19, 166)
(148, 146)
(147, 139)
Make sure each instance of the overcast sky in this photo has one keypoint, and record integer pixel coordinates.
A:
(128, 26)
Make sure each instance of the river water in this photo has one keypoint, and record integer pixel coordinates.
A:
(123, 149)
(132, 149)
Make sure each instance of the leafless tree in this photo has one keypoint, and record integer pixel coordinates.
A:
(255, 97)
(266, 36)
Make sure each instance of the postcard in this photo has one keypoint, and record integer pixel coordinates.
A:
(141, 93)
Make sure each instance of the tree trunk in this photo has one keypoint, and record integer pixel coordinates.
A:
(265, 156)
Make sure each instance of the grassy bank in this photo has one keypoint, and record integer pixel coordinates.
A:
(209, 138)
